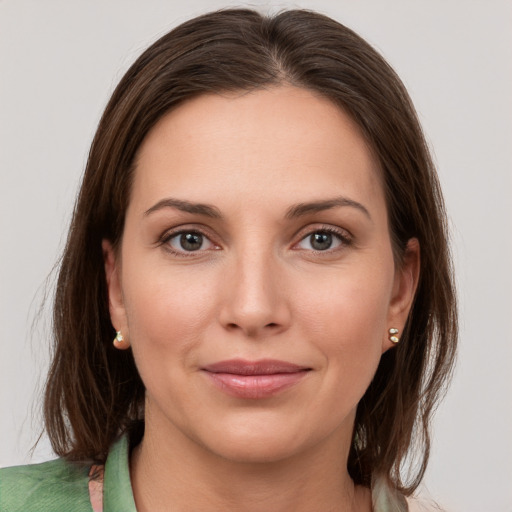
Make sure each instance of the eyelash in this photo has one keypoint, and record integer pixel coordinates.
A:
(343, 236)
(168, 236)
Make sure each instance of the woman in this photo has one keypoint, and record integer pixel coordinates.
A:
(260, 230)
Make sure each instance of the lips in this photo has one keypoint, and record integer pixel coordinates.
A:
(254, 379)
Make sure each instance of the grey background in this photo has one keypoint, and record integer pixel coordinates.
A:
(59, 61)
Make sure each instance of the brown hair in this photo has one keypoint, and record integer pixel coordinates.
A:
(94, 392)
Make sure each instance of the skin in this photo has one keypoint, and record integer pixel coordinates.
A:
(255, 289)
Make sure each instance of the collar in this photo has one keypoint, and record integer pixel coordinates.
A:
(117, 490)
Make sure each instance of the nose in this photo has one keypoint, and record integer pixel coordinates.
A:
(255, 298)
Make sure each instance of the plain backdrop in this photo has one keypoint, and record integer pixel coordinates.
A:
(59, 62)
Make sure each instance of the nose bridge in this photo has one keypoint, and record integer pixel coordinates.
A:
(255, 300)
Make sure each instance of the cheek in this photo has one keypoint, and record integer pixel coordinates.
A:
(166, 312)
(346, 318)
(351, 303)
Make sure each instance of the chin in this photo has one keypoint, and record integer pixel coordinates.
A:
(259, 442)
(257, 451)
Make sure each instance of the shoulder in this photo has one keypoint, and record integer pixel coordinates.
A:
(54, 486)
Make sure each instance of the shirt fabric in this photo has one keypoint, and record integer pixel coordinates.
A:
(61, 486)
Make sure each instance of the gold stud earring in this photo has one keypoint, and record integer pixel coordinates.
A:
(392, 335)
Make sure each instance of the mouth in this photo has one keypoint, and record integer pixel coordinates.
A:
(254, 379)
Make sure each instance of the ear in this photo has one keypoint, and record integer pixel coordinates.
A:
(115, 294)
(404, 291)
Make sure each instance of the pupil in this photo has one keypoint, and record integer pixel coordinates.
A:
(321, 241)
(191, 241)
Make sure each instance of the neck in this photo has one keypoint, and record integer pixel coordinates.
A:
(167, 470)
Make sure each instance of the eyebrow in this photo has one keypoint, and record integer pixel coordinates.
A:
(186, 206)
(302, 209)
(295, 211)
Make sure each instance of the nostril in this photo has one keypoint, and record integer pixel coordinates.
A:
(252, 330)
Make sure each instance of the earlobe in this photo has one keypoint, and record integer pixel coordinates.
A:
(404, 291)
(115, 295)
(120, 342)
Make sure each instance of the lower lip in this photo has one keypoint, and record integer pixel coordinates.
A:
(255, 386)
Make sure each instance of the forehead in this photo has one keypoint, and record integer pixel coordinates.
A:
(284, 142)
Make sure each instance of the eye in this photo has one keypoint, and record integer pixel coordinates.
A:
(323, 240)
(189, 241)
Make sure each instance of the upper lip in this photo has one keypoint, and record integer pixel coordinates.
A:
(261, 367)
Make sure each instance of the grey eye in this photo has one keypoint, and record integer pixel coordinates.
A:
(320, 241)
(189, 241)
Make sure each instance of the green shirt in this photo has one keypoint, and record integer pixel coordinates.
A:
(59, 485)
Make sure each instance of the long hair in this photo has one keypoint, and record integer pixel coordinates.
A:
(94, 392)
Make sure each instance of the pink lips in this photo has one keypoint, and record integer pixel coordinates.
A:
(254, 379)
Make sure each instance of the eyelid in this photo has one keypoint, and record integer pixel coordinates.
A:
(345, 237)
(169, 234)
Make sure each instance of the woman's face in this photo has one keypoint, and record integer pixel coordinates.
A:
(255, 280)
